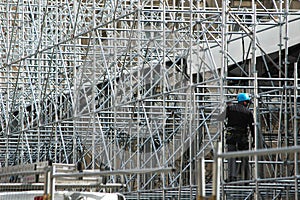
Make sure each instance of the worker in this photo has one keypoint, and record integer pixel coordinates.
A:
(239, 123)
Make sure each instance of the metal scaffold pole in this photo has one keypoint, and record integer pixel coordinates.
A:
(296, 130)
(256, 96)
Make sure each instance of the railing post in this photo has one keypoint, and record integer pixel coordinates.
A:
(201, 178)
(52, 182)
(47, 181)
(216, 172)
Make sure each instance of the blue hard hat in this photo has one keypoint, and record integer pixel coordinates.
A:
(243, 97)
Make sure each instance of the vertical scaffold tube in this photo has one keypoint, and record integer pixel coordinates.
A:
(255, 109)
(296, 119)
(223, 74)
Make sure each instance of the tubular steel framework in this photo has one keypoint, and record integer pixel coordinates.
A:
(135, 85)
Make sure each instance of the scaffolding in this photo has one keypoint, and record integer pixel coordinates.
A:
(137, 85)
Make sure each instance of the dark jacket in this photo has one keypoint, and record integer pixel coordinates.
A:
(240, 117)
